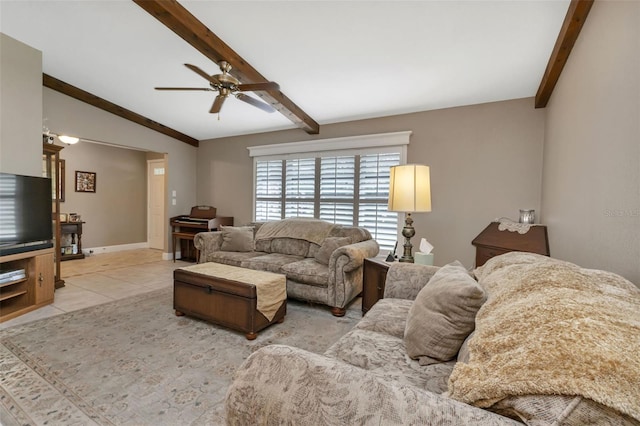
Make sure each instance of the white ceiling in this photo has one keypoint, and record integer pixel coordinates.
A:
(337, 60)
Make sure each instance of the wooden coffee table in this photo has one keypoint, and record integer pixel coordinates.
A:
(228, 296)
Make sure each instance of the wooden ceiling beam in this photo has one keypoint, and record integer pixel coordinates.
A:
(179, 20)
(98, 102)
(573, 22)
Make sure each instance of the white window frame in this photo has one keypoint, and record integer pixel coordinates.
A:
(350, 145)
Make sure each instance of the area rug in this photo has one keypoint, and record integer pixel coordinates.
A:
(133, 362)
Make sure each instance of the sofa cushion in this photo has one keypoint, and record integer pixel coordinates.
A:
(386, 357)
(329, 245)
(292, 246)
(272, 262)
(237, 238)
(263, 245)
(233, 258)
(463, 353)
(313, 249)
(568, 333)
(443, 315)
(307, 271)
(387, 316)
(567, 410)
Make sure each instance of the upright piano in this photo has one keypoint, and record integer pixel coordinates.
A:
(185, 227)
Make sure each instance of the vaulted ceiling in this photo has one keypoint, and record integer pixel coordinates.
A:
(334, 60)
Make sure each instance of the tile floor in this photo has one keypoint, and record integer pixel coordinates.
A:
(85, 290)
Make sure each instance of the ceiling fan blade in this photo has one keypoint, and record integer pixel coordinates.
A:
(253, 87)
(202, 73)
(217, 104)
(207, 89)
(256, 103)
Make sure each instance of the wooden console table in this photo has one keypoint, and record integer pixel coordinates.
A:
(374, 274)
(75, 229)
(493, 242)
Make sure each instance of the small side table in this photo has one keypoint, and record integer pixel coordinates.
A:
(493, 242)
(75, 230)
(374, 274)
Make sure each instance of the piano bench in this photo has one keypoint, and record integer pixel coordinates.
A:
(177, 236)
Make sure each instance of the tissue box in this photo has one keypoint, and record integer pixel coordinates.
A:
(423, 258)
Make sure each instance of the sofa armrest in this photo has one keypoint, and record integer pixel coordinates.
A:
(303, 388)
(405, 280)
(207, 243)
(356, 254)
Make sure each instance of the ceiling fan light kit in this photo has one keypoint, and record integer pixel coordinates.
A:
(226, 84)
(69, 140)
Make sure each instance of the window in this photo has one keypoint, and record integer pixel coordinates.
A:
(268, 184)
(347, 186)
(337, 183)
(374, 196)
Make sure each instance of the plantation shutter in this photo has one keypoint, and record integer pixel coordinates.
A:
(268, 190)
(374, 196)
(300, 187)
(342, 180)
(337, 183)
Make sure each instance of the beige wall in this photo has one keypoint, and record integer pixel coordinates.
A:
(20, 108)
(66, 115)
(117, 212)
(24, 106)
(486, 162)
(591, 179)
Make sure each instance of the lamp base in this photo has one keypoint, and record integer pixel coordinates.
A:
(407, 232)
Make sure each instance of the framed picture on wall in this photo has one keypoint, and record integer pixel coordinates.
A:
(85, 181)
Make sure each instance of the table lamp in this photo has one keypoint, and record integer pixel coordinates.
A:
(409, 192)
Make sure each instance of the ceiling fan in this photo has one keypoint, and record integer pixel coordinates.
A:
(226, 84)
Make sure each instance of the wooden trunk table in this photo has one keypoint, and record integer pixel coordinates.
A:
(230, 296)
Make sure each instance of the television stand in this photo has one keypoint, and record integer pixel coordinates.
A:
(33, 285)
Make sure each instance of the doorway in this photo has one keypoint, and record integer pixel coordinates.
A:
(156, 203)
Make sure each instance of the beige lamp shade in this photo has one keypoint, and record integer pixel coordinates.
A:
(410, 188)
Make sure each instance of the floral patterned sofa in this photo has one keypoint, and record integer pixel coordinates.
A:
(322, 261)
(524, 339)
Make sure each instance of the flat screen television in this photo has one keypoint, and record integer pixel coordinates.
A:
(25, 213)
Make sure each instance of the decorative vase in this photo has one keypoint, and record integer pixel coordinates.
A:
(527, 216)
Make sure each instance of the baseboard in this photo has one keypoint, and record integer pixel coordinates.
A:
(169, 256)
(111, 249)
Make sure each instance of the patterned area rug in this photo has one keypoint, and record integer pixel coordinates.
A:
(133, 362)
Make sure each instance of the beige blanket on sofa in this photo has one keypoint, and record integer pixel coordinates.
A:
(313, 230)
(550, 327)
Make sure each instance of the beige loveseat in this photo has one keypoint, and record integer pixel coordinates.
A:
(322, 261)
(553, 344)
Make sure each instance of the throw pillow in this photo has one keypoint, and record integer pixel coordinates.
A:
(237, 238)
(463, 353)
(328, 246)
(443, 315)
